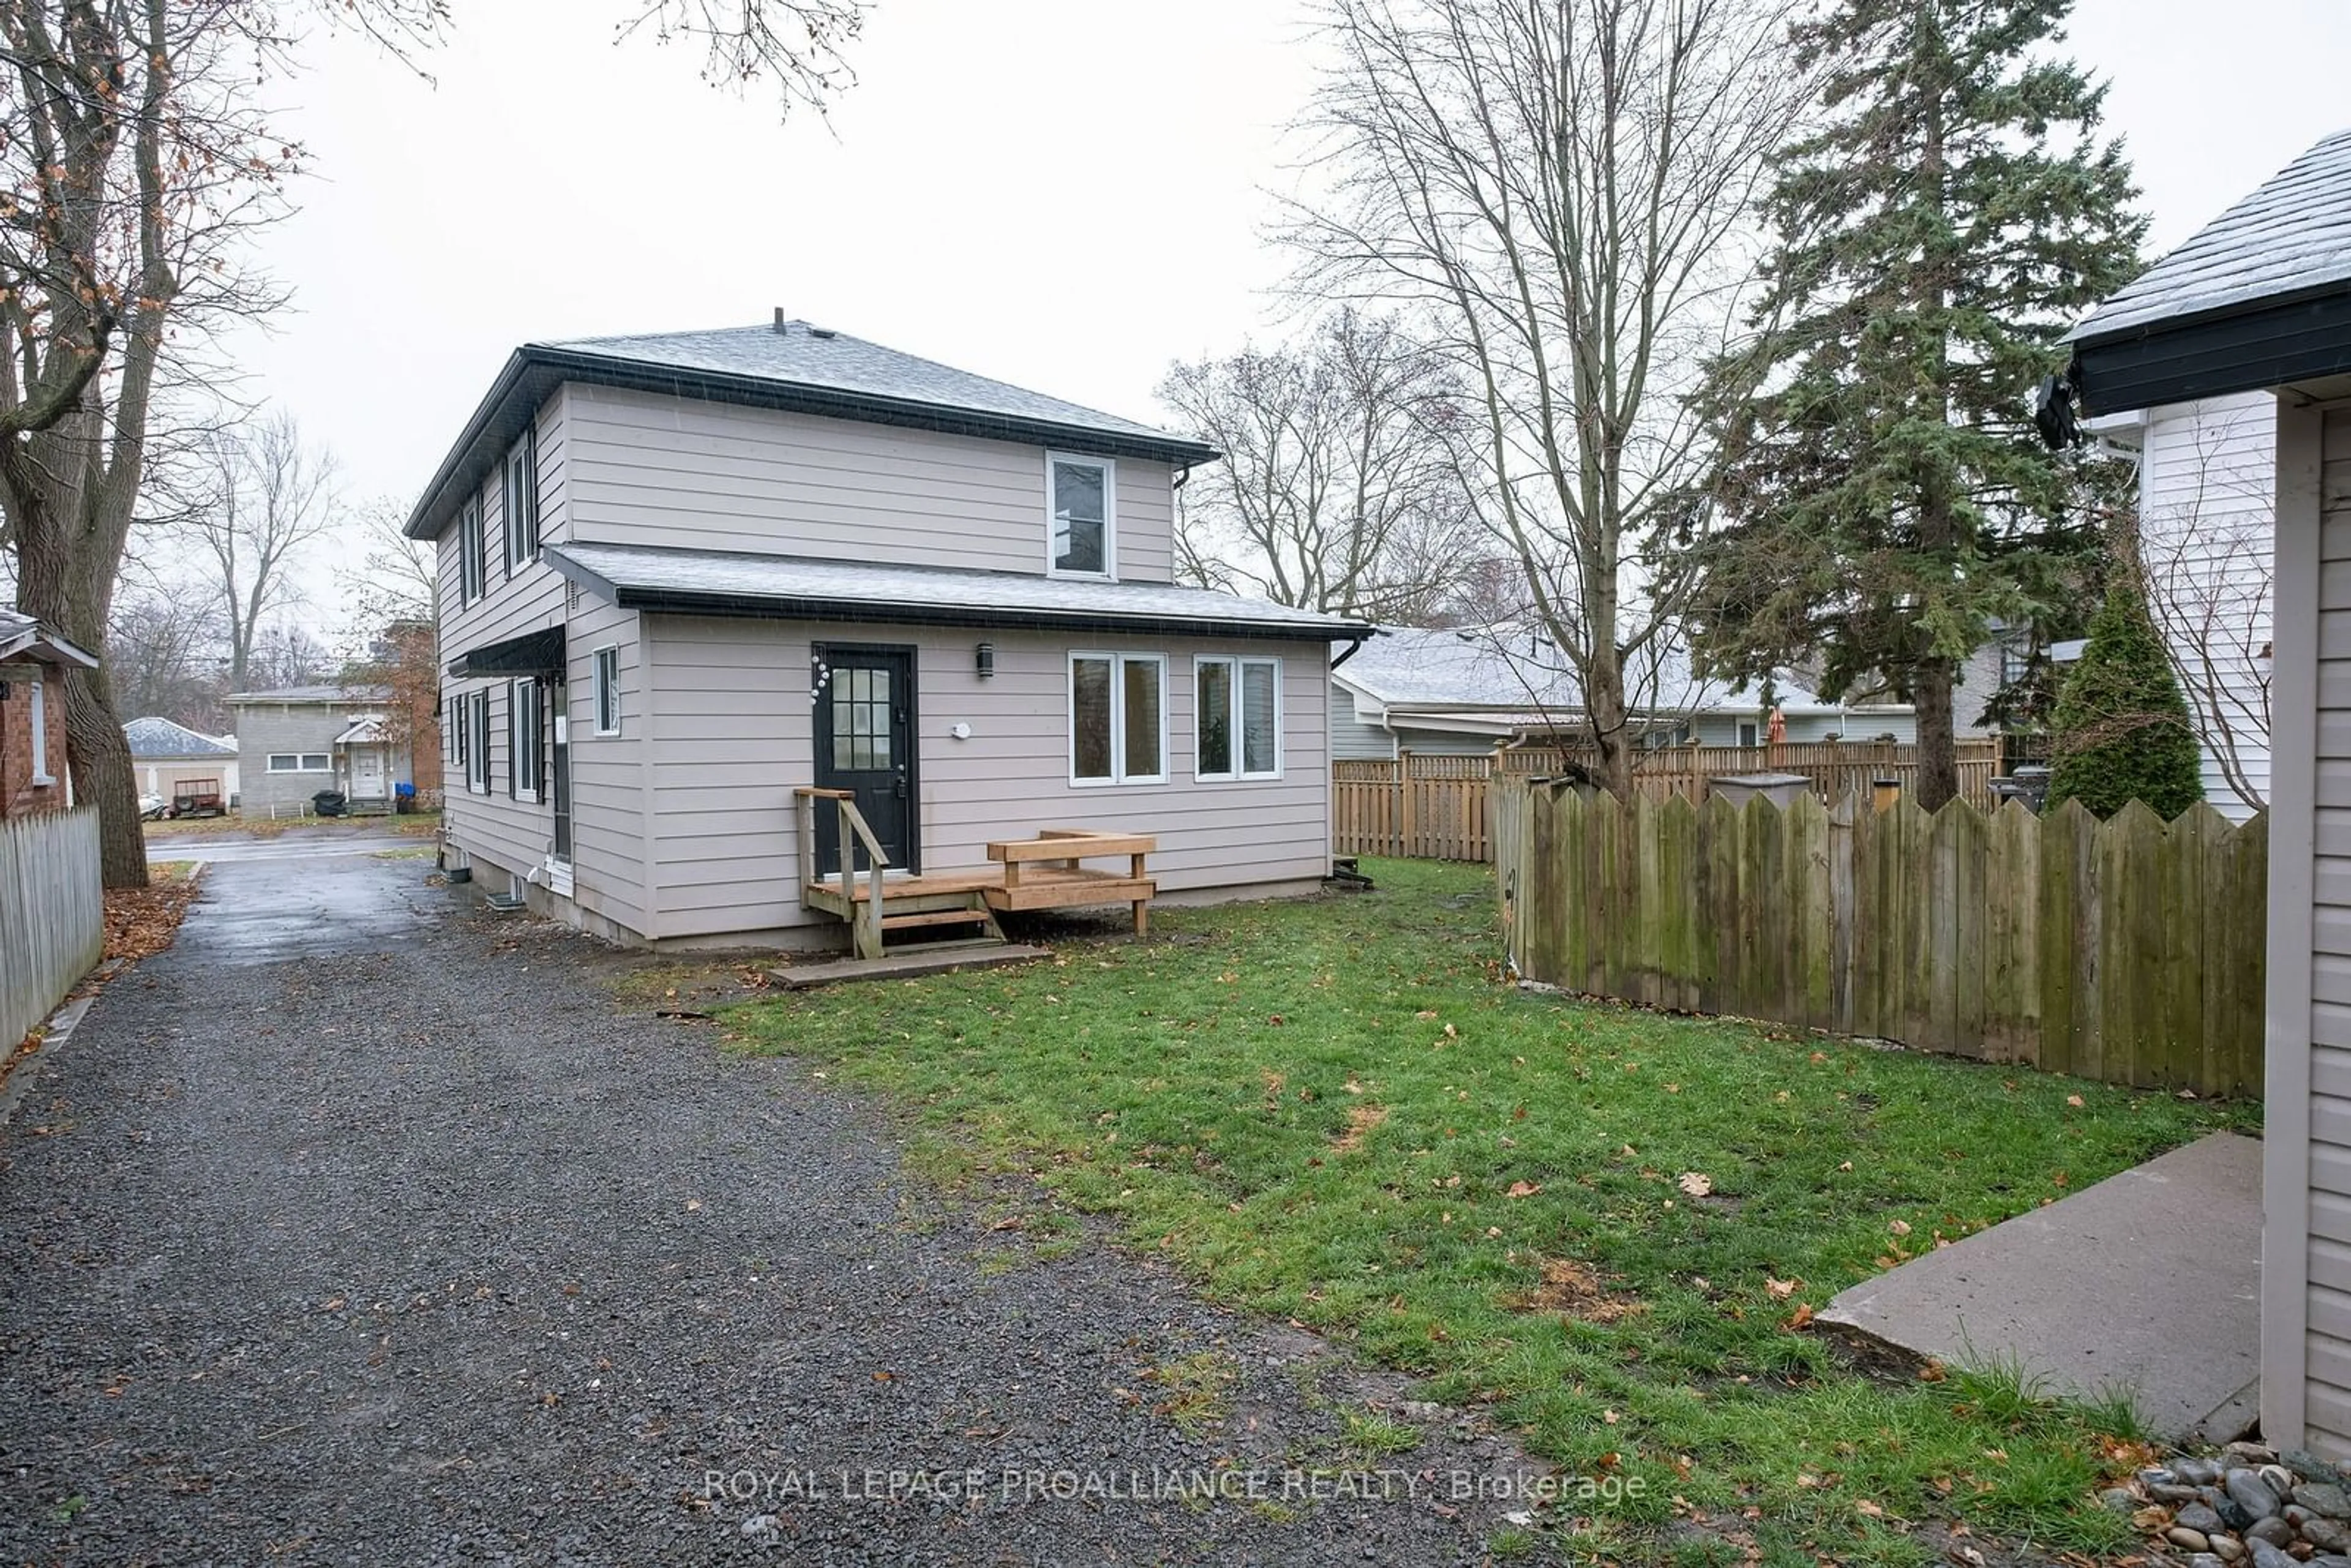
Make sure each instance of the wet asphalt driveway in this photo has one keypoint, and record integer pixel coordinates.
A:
(366, 1226)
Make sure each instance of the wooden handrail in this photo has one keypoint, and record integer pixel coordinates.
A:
(865, 925)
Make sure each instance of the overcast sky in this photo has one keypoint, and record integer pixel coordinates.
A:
(1063, 194)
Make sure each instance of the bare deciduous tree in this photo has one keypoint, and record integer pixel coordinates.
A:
(1566, 187)
(163, 645)
(271, 497)
(135, 164)
(2202, 549)
(1341, 490)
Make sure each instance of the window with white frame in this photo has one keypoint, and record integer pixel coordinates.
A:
(300, 762)
(472, 551)
(1080, 510)
(608, 691)
(477, 721)
(1237, 718)
(520, 498)
(38, 708)
(1118, 719)
(525, 718)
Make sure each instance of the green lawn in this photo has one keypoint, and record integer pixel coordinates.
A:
(1336, 1110)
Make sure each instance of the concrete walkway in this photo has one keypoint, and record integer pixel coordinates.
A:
(2148, 1282)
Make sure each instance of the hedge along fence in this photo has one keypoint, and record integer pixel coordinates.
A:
(2126, 950)
(52, 914)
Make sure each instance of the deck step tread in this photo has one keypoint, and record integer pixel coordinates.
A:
(938, 959)
(931, 917)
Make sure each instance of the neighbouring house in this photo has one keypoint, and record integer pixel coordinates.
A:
(2207, 471)
(164, 756)
(297, 742)
(32, 773)
(2259, 303)
(684, 577)
(1464, 692)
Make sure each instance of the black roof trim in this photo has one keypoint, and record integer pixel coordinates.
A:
(2296, 338)
(531, 654)
(760, 608)
(535, 370)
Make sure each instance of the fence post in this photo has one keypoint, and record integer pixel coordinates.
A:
(1407, 828)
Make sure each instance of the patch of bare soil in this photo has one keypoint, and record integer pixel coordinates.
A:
(1571, 1287)
(1360, 1120)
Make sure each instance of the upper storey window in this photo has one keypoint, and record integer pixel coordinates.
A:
(520, 501)
(1079, 508)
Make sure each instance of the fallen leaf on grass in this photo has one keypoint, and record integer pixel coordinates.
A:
(1801, 1316)
(1780, 1290)
(2074, 1101)
(1525, 1189)
(1868, 1509)
(1900, 1227)
(1697, 1184)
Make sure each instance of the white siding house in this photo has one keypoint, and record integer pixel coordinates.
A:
(2258, 302)
(748, 561)
(1464, 691)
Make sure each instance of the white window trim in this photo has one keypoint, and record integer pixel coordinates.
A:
(1238, 773)
(477, 752)
(528, 793)
(606, 689)
(1109, 573)
(473, 565)
(1118, 774)
(39, 703)
(521, 523)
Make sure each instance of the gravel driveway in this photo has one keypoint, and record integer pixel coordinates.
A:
(364, 1227)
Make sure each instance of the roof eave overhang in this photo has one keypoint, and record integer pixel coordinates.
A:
(47, 647)
(806, 606)
(2273, 342)
(535, 370)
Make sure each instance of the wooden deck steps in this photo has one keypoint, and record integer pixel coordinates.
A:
(1043, 873)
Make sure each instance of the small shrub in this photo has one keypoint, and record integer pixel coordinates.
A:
(2122, 727)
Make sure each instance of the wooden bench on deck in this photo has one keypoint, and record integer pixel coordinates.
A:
(1045, 872)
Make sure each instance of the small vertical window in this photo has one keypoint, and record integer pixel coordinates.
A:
(39, 702)
(1118, 730)
(1237, 718)
(1079, 509)
(520, 499)
(478, 759)
(608, 691)
(524, 743)
(473, 558)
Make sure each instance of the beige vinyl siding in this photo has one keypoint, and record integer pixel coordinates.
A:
(607, 772)
(734, 735)
(2326, 1326)
(495, 829)
(650, 469)
(2208, 475)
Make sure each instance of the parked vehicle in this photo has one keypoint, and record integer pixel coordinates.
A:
(151, 807)
(196, 797)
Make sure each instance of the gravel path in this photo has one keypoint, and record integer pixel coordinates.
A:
(388, 1237)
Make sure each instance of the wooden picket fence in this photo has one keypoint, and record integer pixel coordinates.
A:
(1430, 807)
(1420, 807)
(2128, 950)
(52, 914)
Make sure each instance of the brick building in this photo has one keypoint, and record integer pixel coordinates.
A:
(32, 661)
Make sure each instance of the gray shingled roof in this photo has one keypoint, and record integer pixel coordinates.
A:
(328, 695)
(663, 577)
(160, 738)
(1501, 668)
(803, 355)
(2291, 236)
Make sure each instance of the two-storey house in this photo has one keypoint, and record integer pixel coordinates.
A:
(684, 576)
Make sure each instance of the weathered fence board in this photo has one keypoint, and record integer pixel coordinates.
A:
(52, 914)
(2129, 950)
(1439, 806)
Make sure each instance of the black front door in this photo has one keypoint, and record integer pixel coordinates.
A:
(865, 744)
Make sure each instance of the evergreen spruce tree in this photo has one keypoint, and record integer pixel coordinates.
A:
(2122, 729)
(1885, 497)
